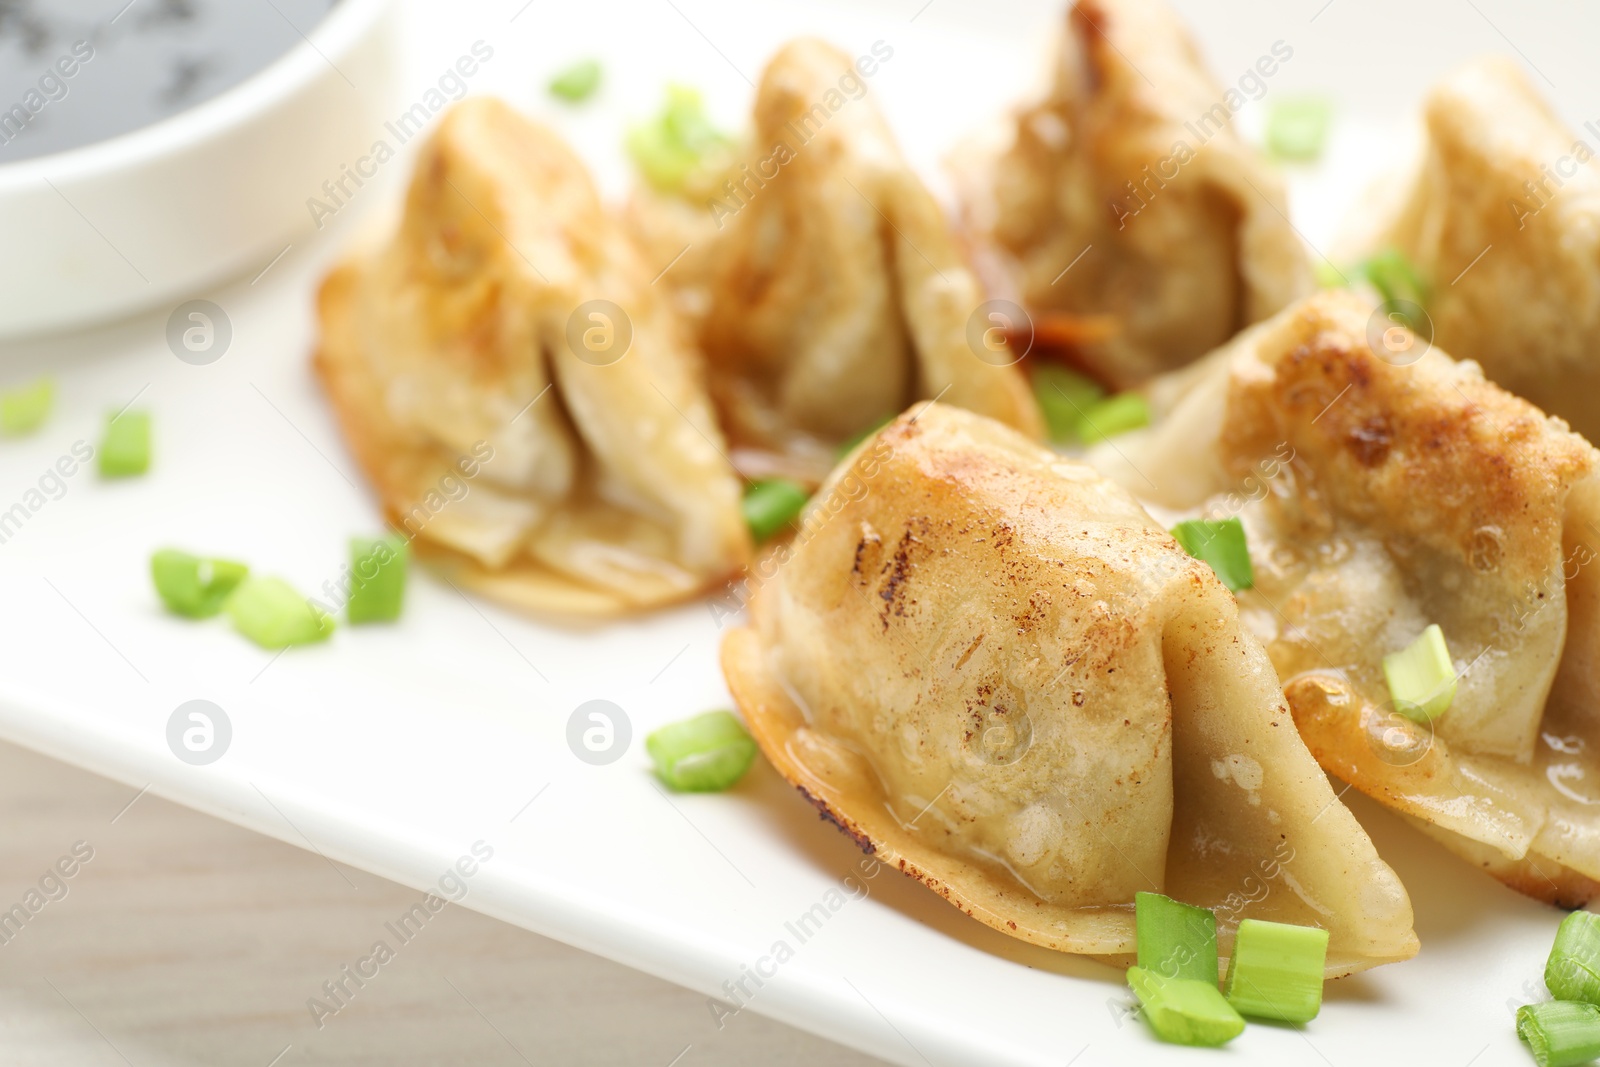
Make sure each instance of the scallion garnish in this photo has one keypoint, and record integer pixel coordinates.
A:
(1185, 1011)
(24, 410)
(577, 83)
(1221, 543)
(671, 147)
(125, 449)
(1114, 415)
(272, 614)
(192, 586)
(378, 579)
(1422, 677)
(1276, 970)
(705, 754)
(1573, 970)
(1396, 279)
(1297, 127)
(1560, 1033)
(1328, 276)
(1064, 397)
(771, 504)
(1175, 940)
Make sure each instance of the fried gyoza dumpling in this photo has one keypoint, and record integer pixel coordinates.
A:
(563, 453)
(838, 295)
(992, 668)
(1381, 497)
(1503, 216)
(1131, 164)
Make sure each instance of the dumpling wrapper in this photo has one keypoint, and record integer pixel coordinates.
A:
(1129, 171)
(989, 665)
(1379, 498)
(1502, 217)
(606, 488)
(837, 293)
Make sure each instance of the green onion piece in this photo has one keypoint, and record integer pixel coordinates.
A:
(1328, 276)
(1185, 1011)
(1114, 415)
(1573, 970)
(272, 614)
(24, 410)
(1395, 278)
(771, 504)
(125, 449)
(1175, 940)
(850, 445)
(191, 586)
(1221, 543)
(670, 148)
(1298, 127)
(577, 83)
(378, 579)
(705, 754)
(1560, 1033)
(1064, 396)
(1421, 677)
(1276, 970)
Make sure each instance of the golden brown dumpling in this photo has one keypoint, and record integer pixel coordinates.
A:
(562, 454)
(1130, 173)
(995, 671)
(1380, 497)
(1503, 217)
(837, 294)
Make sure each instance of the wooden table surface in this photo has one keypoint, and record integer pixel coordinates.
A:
(184, 940)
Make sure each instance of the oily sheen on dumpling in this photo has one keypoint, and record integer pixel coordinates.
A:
(1502, 218)
(600, 484)
(1381, 494)
(994, 670)
(837, 294)
(1129, 172)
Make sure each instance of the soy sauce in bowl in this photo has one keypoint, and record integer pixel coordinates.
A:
(75, 72)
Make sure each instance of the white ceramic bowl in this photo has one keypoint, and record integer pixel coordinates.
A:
(144, 217)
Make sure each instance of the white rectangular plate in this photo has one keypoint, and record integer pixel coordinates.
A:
(396, 748)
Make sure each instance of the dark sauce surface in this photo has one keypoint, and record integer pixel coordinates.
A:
(73, 72)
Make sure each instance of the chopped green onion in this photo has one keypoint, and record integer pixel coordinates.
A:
(578, 82)
(1560, 1033)
(1185, 1011)
(1276, 970)
(1064, 396)
(1395, 278)
(850, 445)
(24, 410)
(1422, 677)
(272, 614)
(1175, 940)
(125, 449)
(771, 504)
(1114, 415)
(1221, 543)
(191, 586)
(378, 577)
(670, 148)
(1573, 970)
(1328, 276)
(705, 754)
(1298, 127)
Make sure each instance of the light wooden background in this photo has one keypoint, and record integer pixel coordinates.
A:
(187, 941)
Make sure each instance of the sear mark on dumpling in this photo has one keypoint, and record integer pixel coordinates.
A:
(1379, 499)
(597, 482)
(1036, 737)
